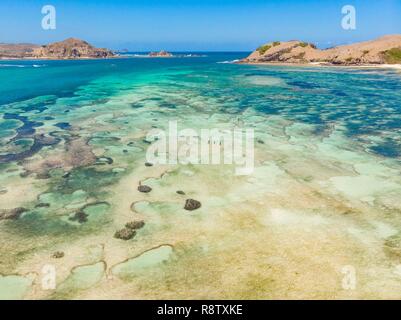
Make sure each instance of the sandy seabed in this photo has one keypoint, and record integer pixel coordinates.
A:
(315, 207)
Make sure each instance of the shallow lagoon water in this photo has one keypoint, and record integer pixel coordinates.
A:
(325, 192)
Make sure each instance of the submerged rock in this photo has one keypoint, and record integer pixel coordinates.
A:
(144, 189)
(80, 217)
(24, 174)
(148, 164)
(58, 255)
(79, 153)
(104, 161)
(42, 205)
(63, 125)
(134, 225)
(192, 204)
(125, 234)
(11, 214)
(39, 141)
(66, 175)
(43, 176)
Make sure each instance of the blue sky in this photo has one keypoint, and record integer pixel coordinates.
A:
(185, 25)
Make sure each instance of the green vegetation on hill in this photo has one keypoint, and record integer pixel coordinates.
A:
(306, 44)
(393, 56)
(263, 49)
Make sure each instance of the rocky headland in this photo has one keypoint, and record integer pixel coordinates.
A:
(384, 50)
(68, 49)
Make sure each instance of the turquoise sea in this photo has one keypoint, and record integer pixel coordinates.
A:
(72, 154)
(366, 102)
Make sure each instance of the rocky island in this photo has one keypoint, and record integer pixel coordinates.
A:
(160, 54)
(384, 50)
(68, 49)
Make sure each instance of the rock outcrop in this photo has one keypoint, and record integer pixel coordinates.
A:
(68, 49)
(135, 225)
(58, 255)
(125, 234)
(191, 204)
(384, 50)
(144, 189)
(163, 54)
